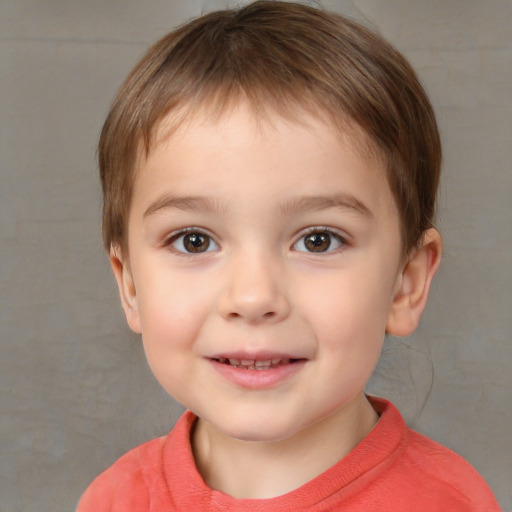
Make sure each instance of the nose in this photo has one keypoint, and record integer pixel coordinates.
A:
(254, 291)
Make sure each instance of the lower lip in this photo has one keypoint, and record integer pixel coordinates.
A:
(258, 379)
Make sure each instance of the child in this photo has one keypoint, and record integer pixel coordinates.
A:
(269, 178)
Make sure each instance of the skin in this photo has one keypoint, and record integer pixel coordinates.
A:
(259, 193)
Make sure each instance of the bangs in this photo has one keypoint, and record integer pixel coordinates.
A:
(284, 58)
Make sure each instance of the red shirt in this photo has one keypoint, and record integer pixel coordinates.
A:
(392, 469)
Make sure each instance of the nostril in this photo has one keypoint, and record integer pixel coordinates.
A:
(253, 307)
(268, 314)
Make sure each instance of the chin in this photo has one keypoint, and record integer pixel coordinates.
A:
(256, 431)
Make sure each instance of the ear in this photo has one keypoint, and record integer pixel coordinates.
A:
(413, 285)
(127, 291)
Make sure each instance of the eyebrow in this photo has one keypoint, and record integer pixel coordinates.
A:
(296, 205)
(325, 202)
(185, 203)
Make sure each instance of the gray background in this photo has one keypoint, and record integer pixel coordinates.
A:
(74, 387)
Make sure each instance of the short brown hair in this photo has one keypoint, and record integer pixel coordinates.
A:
(284, 56)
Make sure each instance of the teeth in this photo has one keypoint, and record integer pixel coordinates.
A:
(252, 364)
(263, 364)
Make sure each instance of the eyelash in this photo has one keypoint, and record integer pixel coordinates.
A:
(181, 234)
(322, 230)
(316, 230)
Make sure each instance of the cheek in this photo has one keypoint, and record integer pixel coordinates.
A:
(350, 311)
(363, 301)
(172, 312)
(172, 322)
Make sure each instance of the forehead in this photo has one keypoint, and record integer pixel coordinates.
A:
(216, 110)
(242, 152)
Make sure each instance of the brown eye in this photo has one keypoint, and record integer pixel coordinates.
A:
(193, 243)
(317, 242)
(322, 240)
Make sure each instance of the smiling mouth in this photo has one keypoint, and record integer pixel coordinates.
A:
(255, 364)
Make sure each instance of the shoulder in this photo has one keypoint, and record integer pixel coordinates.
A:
(449, 472)
(427, 473)
(127, 482)
(445, 475)
(139, 479)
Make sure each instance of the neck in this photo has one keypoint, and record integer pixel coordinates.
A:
(257, 470)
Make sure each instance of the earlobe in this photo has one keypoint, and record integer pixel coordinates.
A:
(127, 291)
(413, 285)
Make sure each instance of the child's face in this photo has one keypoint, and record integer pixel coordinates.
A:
(261, 244)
